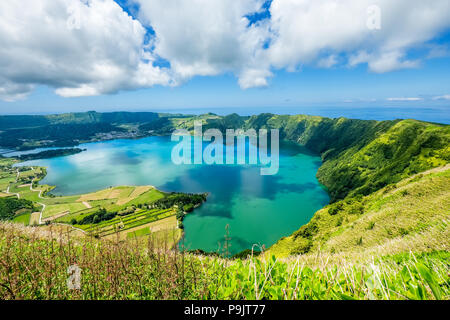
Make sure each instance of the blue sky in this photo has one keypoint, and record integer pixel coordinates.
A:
(203, 68)
(310, 87)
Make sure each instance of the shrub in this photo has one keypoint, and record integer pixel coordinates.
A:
(335, 208)
(302, 248)
(127, 211)
(359, 242)
(9, 207)
(403, 232)
(307, 231)
(180, 215)
(97, 217)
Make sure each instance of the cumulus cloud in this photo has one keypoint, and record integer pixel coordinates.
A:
(80, 48)
(92, 47)
(204, 37)
(443, 97)
(305, 29)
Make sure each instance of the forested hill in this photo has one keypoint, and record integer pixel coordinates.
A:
(27, 132)
(359, 156)
(30, 121)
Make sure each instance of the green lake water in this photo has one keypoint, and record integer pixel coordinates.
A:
(258, 209)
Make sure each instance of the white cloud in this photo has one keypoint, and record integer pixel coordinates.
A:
(304, 29)
(438, 51)
(383, 62)
(204, 37)
(77, 47)
(404, 99)
(328, 62)
(251, 78)
(443, 97)
(103, 50)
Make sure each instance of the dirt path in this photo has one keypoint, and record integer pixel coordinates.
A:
(56, 216)
(34, 219)
(39, 196)
(87, 205)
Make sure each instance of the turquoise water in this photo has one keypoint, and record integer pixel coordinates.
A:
(258, 209)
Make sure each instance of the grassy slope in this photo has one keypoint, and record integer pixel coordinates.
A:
(360, 158)
(406, 148)
(35, 261)
(410, 215)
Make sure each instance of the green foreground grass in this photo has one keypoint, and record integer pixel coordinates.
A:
(34, 265)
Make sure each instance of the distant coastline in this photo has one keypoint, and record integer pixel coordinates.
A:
(438, 114)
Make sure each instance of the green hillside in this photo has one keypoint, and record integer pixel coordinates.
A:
(25, 121)
(359, 156)
(69, 129)
(410, 215)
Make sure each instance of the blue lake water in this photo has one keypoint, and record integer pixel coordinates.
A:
(258, 209)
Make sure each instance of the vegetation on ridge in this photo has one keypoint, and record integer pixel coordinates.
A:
(410, 215)
(35, 263)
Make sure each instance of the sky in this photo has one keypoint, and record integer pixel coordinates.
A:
(133, 55)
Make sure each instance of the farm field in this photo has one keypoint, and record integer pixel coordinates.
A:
(23, 218)
(136, 217)
(124, 223)
(161, 232)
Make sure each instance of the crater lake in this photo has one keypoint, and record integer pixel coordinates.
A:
(257, 209)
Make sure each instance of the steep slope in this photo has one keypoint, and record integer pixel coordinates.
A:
(35, 263)
(406, 148)
(410, 215)
(360, 157)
